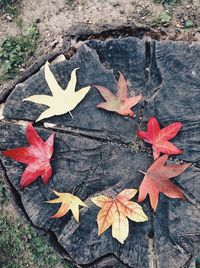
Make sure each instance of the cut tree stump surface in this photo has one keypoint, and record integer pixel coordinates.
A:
(97, 151)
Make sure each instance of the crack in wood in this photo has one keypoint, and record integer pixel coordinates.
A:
(80, 186)
(152, 251)
(133, 146)
(153, 262)
(108, 260)
(153, 72)
(148, 60)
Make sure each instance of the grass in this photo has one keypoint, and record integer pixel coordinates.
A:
(9, 7)
(70, 2)
(163, 19)
(188, 24)
(167, 2)
(4, 3)
(3, 194)
(170, 4)
(11, 10)
(20, 245)
(15, 50)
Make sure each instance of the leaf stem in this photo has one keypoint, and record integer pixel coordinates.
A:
(141, 171)
(71, 114)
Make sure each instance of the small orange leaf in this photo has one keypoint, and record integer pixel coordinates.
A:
(115, 211)
(68, 201)
(118, 103)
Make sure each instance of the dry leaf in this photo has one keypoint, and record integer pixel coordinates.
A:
(157, 180)
(37, 156)
(159, 138)
(115, 211)
(119, 103)
(68, 201)
(62, 101)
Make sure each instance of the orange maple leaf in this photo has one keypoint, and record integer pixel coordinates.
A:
(119, 103)
(115, 211)
(68, 201)
(157, 179)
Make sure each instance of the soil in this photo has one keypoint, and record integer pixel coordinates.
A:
(55, 18)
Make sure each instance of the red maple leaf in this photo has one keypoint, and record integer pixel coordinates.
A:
(159, 138)
(157, 179)
(118, 103)
(37, 156)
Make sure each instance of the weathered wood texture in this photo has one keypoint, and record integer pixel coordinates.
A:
(178, 98)
(93, 155)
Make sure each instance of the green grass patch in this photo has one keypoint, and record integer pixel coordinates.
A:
(11, 10)
(20, 246)
(170, 4)
(163, 19)
(4, 3)
(15, 50)
(167, 2)
(9, 7)
(70, 2)
(188, 24)
(3, 194)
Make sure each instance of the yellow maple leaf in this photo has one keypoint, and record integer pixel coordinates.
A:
(62, 100)
(116, 211)
(68, 201)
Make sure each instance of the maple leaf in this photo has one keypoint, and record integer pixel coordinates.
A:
(159, 138)
(68, 201)
(115, 211)
(119, 103)
(37, 156)
(61, 101)
(157, 180)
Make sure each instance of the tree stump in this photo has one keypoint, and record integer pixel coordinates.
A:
(97, 151)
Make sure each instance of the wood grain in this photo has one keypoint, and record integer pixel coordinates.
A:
(93, 153)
